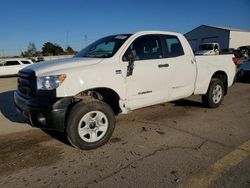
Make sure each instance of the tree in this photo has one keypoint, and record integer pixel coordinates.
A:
(32, 48)
(31, 51)
(49, 49)
(70, 51)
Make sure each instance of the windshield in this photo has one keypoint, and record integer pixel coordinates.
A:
(207, 47)
(104, 47)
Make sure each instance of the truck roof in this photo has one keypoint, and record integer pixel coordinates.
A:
(150, 32)
(157, 32)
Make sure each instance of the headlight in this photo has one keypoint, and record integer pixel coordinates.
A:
(50, 82)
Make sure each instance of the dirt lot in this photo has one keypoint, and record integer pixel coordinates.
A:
(179, 144)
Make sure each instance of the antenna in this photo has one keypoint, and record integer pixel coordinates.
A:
(67, 39)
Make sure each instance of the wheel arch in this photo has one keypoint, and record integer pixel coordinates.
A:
(104, 94)
(222, 76)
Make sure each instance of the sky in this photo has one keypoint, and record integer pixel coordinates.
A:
(79, 22)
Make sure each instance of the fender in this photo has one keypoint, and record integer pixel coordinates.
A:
(102, 75)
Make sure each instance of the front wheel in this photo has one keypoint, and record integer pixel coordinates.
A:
(90, 124)
(215, 94)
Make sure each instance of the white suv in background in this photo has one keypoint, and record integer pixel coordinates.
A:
(11, 67)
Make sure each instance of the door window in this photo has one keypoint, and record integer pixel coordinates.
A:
(25, 62)
(145, 47)
(10, 63)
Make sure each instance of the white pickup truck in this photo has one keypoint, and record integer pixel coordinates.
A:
(208, 49)
(117, 74)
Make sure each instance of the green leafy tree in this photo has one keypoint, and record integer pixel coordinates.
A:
(70, 51)
(50, 49)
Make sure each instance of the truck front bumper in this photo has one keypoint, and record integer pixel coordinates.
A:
(45, 114)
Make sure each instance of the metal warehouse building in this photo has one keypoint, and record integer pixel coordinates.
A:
(227, 37)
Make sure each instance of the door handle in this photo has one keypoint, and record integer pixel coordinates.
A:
(163, 65)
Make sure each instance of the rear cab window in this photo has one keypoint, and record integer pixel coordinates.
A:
(173, 47)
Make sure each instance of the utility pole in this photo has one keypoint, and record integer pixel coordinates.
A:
(21, 51)
(85, 40)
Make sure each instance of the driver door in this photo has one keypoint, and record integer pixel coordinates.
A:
(148, 83)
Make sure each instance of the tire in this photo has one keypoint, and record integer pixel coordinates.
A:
(215, 94)
(90, 124)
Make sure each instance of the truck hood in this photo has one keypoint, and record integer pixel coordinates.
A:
(62, 64)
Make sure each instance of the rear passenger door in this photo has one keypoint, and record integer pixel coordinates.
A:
(182, 68)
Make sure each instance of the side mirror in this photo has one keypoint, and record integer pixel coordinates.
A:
(130, 58)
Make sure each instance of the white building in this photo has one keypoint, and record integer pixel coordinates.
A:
(227, 37)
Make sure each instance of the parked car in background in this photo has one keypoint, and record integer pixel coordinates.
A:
(227, 51)
(12, 66)
(243, 74)
(242, 54)
(208, 49)
(245, 51)
(40, 58)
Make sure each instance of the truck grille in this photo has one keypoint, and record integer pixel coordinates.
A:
(26, 83)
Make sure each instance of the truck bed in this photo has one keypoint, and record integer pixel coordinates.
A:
(206, 64)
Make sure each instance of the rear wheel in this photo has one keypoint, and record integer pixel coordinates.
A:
(215, 94)
(90, 124)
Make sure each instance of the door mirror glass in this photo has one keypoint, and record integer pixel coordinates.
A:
(128, 56)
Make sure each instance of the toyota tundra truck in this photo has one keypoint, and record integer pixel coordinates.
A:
(117, 74)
